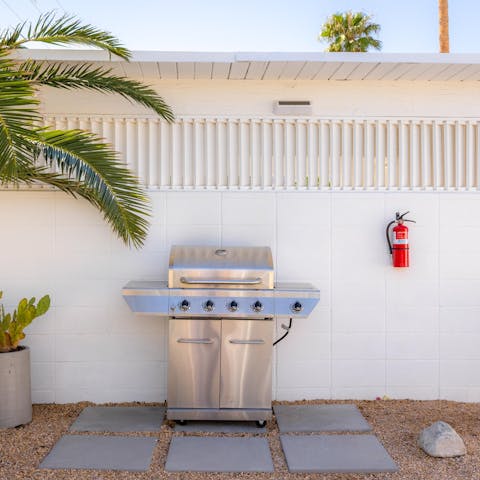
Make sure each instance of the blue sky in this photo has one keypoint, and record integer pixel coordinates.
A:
(257, 25)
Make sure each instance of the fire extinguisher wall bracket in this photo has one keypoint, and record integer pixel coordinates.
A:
(400, 248)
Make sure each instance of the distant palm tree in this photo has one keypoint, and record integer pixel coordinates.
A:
(443, 26)
(84, 164)
(350, 32)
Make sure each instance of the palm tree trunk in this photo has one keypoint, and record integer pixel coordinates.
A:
(443, 26)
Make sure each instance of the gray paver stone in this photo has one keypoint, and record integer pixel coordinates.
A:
(320, 418)
(119, 419)
(101, 453)
(219, 454)
(336, 454)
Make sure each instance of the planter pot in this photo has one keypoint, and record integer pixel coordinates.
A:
(15, 393)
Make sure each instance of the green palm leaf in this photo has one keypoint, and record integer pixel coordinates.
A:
(76, 162)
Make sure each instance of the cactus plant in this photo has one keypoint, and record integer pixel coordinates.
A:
(13, 324)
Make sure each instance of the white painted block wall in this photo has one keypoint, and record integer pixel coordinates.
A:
(377, 331)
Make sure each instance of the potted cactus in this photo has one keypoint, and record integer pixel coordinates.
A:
(15, 395)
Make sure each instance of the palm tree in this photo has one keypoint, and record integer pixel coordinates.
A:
(350, 32)
(443, 26)
(74, 161)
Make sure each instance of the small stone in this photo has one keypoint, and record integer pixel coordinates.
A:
(441, 440)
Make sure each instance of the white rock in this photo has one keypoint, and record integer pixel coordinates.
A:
(441, 440)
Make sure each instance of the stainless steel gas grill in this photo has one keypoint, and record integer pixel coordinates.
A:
(221, 303)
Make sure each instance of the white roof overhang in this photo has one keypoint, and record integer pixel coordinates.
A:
(276, 65)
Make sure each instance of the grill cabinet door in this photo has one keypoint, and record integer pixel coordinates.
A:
(246, 364)
(194, 363)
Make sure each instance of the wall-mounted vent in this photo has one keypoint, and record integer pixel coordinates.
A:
(292, 107)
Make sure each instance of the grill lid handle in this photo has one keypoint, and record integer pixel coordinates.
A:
(209, 281)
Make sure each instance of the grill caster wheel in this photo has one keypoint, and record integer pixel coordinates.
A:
(260, 423)
(181, 422)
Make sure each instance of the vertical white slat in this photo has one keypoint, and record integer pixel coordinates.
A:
(278, 152)
(72, 123)
(424, 150)
(165, 140)
(334, 163)
(325, 155)
(120, 138)
(196, 152)
(310, 155)
(229, 140)
(296, 153)
(153, 154)
(175, 159)
(266, 153)
(253, 164)
(368, 155)
(239, 152)
(220, 156)
(447, 157)
(379, 155)
(206, 153)
(402, 156)
(108, 131)
(96, 126)
(131, 144)
(285, 154)
(413, 156)
(357, 156)
(435, 155)
(84, 123)
(345, 155)
(320, 157)
(469, 162)
(459, 158)
(142, 152)
(187, 153)
(390, 167)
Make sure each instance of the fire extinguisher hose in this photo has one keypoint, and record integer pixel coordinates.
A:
(387, 233)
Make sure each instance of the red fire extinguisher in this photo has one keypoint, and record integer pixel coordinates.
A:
(400, 247)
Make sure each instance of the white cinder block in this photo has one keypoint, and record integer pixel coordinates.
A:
(459, 293)
(292, 394)
(412, 392)
(412, 373)
(193, 235)
(83, 265)
(136, 264)
(358, 392)
(248, 209)
(84, 239)
(156, 241)
(249, 236)
(38, 207)
(317, 322)
(460, 345)
(461, 394)
(453, 236)
(358, 373)
(295, 374)
(75, 212)
(460, 373)
(458, 210)
(303, 347)
(357, 291)
(415, 346)
(304, 209)
(81, 319)
(461, 265)
(43, 396)
(358, 345)
(84, 291)
(184, 208)
(358, 319)
(42, 325)
(42, 347)
(460, 319)
(403, 319)
(364, 210)
(43, 376)
(159, 206)
(404, 291)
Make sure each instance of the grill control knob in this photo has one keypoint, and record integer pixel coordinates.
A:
(257, 306)
(297, 307)
(233, 306)
(208, 306)
(184, 305)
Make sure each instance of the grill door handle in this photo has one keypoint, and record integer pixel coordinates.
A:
(210, 281)
(247, 342)
(195, 340)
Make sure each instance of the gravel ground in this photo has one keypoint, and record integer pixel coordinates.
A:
(395, 422)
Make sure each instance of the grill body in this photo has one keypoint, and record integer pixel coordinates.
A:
(221, 304)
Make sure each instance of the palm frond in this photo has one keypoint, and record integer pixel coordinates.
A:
(95, 173)
(62, 30)
(98, 79)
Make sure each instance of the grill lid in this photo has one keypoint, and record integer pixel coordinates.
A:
(230, 267)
